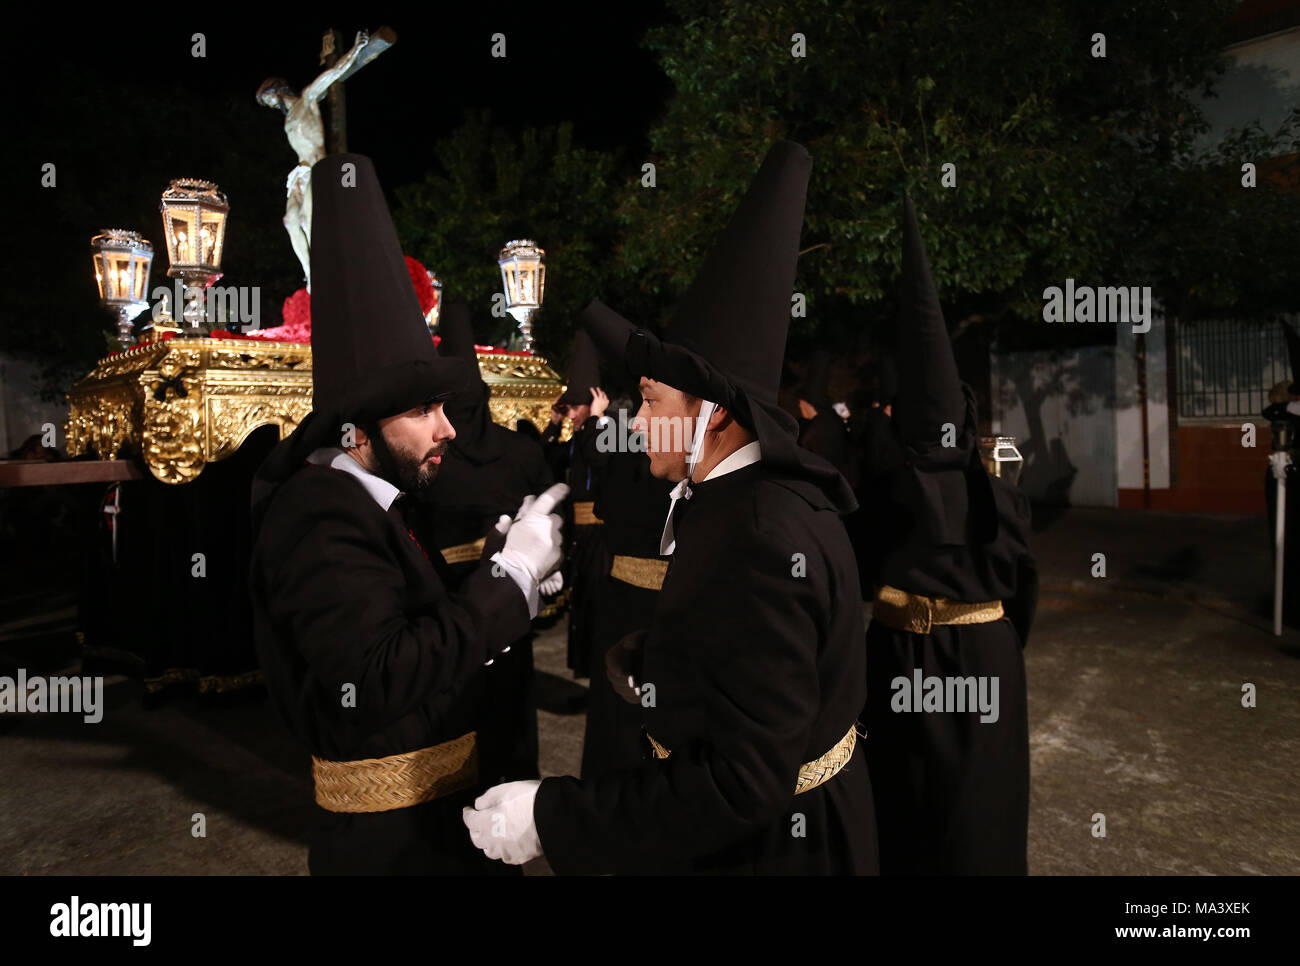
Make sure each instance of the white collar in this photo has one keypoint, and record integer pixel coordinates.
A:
(384, 493)
(749, 453)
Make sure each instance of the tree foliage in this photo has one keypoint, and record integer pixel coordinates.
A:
(488, 188)
(1066, 164)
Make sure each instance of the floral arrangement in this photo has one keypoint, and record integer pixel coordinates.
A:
(423, 287)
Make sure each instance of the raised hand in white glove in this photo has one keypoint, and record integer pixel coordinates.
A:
(552, 584)
(501, 822)
(533, 540)
(495, 538)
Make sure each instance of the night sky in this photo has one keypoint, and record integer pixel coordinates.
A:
(589, 69)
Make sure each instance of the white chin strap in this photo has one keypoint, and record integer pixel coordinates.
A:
(668, 542)
(697, 443)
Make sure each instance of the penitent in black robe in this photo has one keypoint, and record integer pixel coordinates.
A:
(826, 435)
(585, 558)
(343, 595)
(951, 791)
(756, 666)
(474, 487)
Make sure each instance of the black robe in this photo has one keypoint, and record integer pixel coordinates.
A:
(343, 595)
(585, 558)
(951, 792)
(756, 662)
(874, 453)
(826, 435)
(633, 505)
(473, 488)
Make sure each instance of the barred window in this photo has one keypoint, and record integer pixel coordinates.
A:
(1226, 367)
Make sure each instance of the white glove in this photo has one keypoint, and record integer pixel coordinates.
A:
(533, 540)
(501, 822)
(552, 584)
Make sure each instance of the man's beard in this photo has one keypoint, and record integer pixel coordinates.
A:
(406, 469)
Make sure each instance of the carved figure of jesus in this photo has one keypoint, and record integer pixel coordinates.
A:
(306, 133)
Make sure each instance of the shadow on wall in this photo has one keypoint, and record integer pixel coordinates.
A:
(1060, 406)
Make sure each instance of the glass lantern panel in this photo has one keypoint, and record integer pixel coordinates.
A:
(100, 268)
(210, 236)
(181, 235)
(508, 280)
(141, 276)
(118, 276)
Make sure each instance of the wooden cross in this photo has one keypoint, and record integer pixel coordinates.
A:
(331, 49)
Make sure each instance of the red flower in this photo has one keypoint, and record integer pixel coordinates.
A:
(297, 321)
(297, 309)
(423, 287)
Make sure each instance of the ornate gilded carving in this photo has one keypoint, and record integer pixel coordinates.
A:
(523, 387)
(183, 403)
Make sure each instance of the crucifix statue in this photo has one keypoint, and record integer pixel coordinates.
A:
(306, 131)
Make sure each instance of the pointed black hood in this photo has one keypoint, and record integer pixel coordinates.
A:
(608, 330)
(372, 356)
(929, 392)
(934, 412)
(456, 332)
(469, 410)
(1293, 351)
(584, 371)
(730, 330)
(371, 351)
(736, 314)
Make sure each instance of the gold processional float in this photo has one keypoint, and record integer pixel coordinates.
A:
(182, 398)
(183, 403)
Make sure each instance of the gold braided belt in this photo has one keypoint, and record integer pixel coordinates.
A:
(811, 774)
(584, 514)
(915, 613)
(463, 552)
(398, 781)
(646, 572)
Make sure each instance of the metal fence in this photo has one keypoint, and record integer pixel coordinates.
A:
(1226, 367)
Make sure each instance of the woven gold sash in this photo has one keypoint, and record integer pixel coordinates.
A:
(398, 781)
(555, 606)
(584, 514)
(912, 612)
(646, 572)
(463, 552)
(811, 774)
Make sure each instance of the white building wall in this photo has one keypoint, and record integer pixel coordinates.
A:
(1262, 83)
(1128, 412)
(22, 412)
(1060, 407)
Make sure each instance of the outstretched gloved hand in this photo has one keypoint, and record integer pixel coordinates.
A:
(533, 540)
